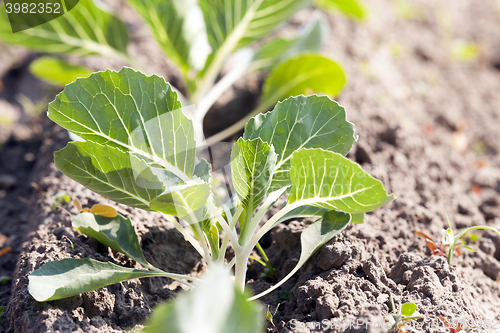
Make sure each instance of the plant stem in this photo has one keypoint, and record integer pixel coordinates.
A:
(242, 257)
(232, 224)
(207, 256)
(206, 102)
(233, 237)
(233, 129)
(184, 232)
(264, 106)
(224, 51)
(240, 271)
(267, 264)
(173, 276)
(231, 263)
(450, 253)
(269, 224)
(222, 252)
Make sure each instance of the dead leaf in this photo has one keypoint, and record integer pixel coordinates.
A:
(103, 210)
(4, 251)
(77, 204)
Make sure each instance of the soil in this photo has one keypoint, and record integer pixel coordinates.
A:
(428, 129)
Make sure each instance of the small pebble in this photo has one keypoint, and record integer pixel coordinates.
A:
(29, 157)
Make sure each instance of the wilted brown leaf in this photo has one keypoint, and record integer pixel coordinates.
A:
(4, 251)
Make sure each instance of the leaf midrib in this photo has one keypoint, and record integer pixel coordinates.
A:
(67, 39)
(132, 149)
(111, 185)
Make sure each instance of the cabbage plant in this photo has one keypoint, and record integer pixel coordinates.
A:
(212, 43)
(138, 148)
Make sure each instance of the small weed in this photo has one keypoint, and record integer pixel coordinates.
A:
(450, 243)
(285, 294)
(270, 316)
(60, 198)
(464, 51)
(269, 270)
(441, 247)
(399, 319)
(5, 279)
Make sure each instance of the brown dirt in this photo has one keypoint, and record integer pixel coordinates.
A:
(428, 126)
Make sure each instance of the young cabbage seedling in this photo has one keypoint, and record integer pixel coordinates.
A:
(399, 319)
(139, 149)
(211, 42)
(450, 243)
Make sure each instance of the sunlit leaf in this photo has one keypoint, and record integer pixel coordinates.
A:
(57, 71)
(70, 277)
(303, 74)
(149, 143)
(214, 306)
(309, 38)
(328, 180)
(186, 202)
(301, 122)
(408, 309)
(179, 28)
(252, 166)
(353, 9)
(116, 232)
(110, 172)
(103, 210)
(85, 29)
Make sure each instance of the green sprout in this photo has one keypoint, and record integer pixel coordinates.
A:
(5, 279)
(212, 44)
(270, 315)
(451, 243)
(2, 308)
(269, 270)
(60, 198)
(399, 319)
